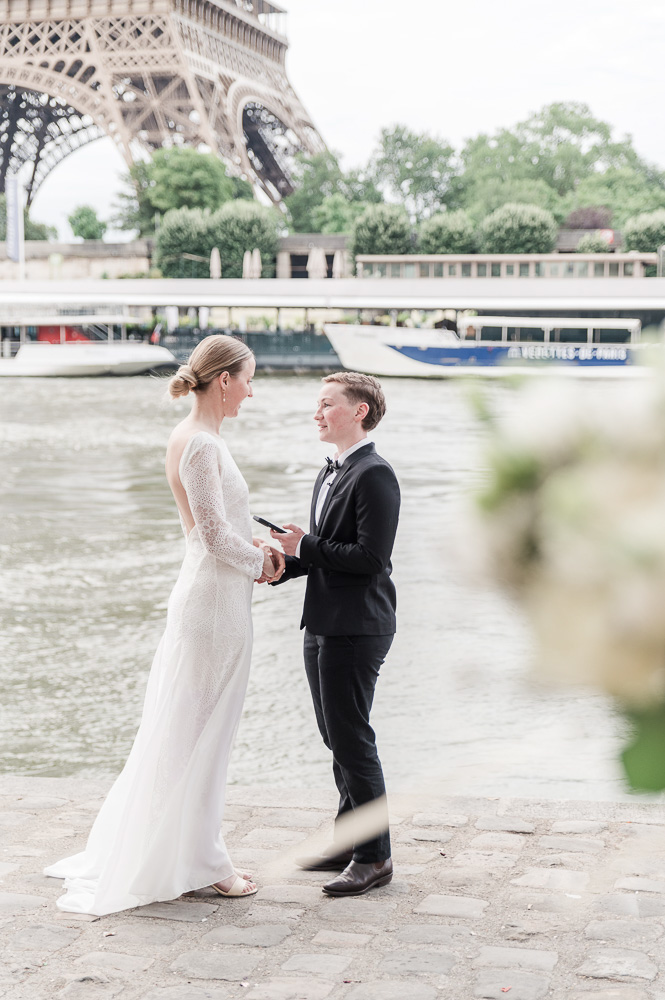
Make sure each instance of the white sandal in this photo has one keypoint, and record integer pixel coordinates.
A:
(237, 889)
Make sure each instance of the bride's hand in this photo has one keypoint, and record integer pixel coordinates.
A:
(279, 561)
(268, 566)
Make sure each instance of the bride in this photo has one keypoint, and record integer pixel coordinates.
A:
(157, 834)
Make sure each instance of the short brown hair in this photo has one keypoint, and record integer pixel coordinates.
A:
(212, 356)
(362, 389)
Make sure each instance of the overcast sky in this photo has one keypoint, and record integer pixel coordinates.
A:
(451, 69)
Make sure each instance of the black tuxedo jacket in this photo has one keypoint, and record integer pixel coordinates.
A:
(346, 557)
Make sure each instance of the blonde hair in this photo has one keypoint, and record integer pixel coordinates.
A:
(212, 356)
(362, 389)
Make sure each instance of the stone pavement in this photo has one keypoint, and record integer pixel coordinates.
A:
(517, 899)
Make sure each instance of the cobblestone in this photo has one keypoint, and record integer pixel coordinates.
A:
(527, 900)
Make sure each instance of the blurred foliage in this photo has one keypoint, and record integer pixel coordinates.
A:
(234, 228)
(319, 178)
(415, 170)
(382, 229)
(178, 177)
(589, 217)
(85, 224)
(645, 233)
(592, 242)
(32, 230)
(447, 232)
(518, 229)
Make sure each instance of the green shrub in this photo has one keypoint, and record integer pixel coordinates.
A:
(592, 242)
(381, 229)
(447, 232)
(183, 230)
(518, 228)
(243, 225)
(235, 227)
(646, 232)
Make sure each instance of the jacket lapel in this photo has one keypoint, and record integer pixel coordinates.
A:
(343, 472)
(317, 486)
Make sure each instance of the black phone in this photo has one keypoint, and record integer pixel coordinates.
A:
(269, 524)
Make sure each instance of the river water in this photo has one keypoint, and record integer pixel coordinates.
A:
(91, 545)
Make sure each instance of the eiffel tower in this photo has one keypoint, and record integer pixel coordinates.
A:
(150, 73)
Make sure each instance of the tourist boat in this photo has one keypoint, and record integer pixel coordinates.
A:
(493, 346)
(86, 359)
(65, 347)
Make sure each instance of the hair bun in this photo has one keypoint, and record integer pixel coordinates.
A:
(183, 381)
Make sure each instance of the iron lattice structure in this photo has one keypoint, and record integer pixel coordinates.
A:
(149, 73)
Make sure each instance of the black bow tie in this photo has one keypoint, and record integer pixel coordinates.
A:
(332, 464)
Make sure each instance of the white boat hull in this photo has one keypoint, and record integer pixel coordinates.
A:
(79, 359)
(409, 353)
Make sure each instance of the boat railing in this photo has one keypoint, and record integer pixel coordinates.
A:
(549, 329)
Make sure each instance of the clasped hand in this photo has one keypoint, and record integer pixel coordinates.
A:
(274, 562)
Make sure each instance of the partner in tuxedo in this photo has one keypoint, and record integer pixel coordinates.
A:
(349, 611)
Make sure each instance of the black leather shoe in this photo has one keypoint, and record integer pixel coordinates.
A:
(330, 861)
(357, 878)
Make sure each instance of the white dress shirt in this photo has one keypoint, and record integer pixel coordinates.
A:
(329, 480)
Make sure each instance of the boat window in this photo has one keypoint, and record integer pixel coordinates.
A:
(628, 269)
(466, 270)
(599, 269)
(380, 270)
(409, 270)
(538, 269)
(424, 270)
(554, 270)
(531, 333)
(576, 335)
(611, 336)
(510, 270)
(438, 270)
(490, 333)
(496, 270)
(452, 270)
(524, 270)
(481, 270)
(583, 269)
(614, 269)
(395, 270)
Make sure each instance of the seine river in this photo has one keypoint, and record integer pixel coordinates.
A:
(91, 545)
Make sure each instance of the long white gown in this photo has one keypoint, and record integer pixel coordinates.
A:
(157, 834)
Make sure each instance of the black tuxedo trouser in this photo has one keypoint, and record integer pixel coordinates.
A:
(342, 671)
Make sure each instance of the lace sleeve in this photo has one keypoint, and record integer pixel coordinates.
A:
(203, 485)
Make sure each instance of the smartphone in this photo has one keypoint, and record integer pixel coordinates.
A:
(269, 524)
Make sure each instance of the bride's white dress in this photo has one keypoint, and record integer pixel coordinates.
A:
(157, 834)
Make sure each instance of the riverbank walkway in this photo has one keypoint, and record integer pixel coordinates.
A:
(501, 899)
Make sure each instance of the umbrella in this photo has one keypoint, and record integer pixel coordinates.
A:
(338, 264)
(317, 266)
(247, 264)
(215, 263)
(256, 263)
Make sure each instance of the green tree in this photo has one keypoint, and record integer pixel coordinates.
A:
(315, 178)
(486, 196)
(336, 214)
(183, 230)
(243, 225)
(645, 233)
(592, 242)
(85, 223)
(381, 229)
(559, 148)
(625, 192)
(447, 232)
(416, 169)
(31, 230)
(518, 229)
(179, 177)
